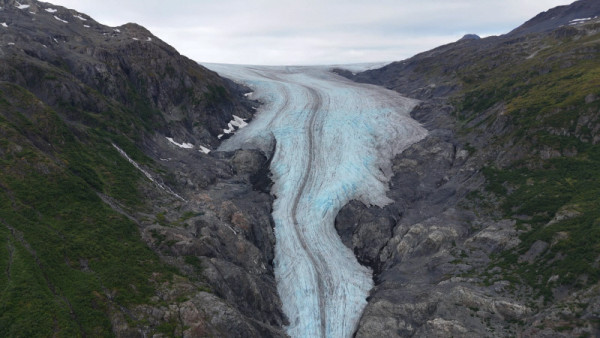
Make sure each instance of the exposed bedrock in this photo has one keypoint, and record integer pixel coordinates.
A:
(223, 240)
(413, 243)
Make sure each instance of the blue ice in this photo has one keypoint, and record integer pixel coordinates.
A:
(334, 142)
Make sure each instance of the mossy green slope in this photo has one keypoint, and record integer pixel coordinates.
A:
(550, 99)
(67, 258)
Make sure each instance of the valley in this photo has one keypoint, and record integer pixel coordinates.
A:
(453, 193)
(333, 143)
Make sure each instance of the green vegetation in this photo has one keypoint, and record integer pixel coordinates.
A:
(568, 185)
(169, 329)
(552, 103)
(65, 256)
(195, 262)
(216, 95)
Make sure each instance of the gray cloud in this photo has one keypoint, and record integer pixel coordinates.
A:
(312, 31)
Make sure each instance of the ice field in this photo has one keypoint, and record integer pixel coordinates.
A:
(333, 143)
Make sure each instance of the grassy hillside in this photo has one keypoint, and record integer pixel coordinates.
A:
(67, 258)
(549, 97)
(71, 257)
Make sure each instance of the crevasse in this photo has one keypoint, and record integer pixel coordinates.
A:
(334, 140)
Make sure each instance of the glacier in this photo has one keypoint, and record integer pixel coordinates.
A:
(333, 140)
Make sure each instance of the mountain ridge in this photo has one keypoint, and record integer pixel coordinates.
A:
(115, 222)
(556, 17)
(112, 207)
(487, 237)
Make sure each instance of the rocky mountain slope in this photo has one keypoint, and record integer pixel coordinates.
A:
(115, 220)
(115, 217)
(495, 228)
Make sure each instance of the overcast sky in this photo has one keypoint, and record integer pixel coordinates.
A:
(285, 32)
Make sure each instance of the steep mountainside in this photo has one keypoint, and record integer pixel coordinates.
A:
(495, 227)
(572, 15)
(114, 218)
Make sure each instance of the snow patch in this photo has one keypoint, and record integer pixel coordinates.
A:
(136, 39)
(220, 135)
(117, 30)
(86, 26)
(61, 20)
(11, 43)
(80, 17)
(230, 128)
(237, 122)
(204, 150)
(19, 6)
(248, 94)
(181, 145)
(4, 25)
(149, 39)
(582, 19)
(51, 10)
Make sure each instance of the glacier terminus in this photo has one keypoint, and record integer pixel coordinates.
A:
(334, 140)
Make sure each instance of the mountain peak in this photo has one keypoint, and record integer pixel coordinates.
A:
(470, 37)
(578, 12)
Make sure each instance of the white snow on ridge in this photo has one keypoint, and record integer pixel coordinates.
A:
(579, 21)
(4, 25)
(204, 150)
(230, 129)
(188, 146)
(51, 10)
(237, 122)
(583, 19)
(61, 20)
(181, 145)
(80, 17)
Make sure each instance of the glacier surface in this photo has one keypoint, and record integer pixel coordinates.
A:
(333, 143)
